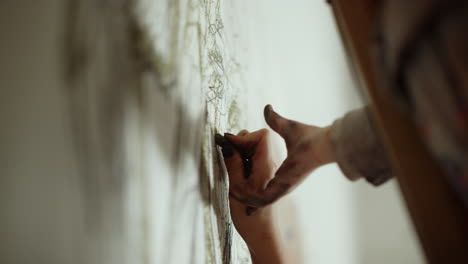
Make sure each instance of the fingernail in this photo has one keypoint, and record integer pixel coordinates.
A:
(267, 110)
(219, 140)
(227, 151)
(249, 210)
(228, 137)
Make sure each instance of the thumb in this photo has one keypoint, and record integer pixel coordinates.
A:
(279, 124)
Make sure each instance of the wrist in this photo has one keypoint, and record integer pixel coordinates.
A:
(260, 233)
(325, 146)
(263, 238)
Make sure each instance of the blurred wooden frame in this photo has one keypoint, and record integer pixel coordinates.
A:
(439, 217)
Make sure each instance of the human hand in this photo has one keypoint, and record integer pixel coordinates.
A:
(240, 162)
(309, 147)
(261, 232)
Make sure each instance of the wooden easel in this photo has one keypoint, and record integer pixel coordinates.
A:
(439, 217)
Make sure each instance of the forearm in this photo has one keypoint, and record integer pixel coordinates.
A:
(279, 240)
(264, 241)
(267, 248)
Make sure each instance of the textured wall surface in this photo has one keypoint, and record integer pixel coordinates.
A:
(153, 76)
(109, 113)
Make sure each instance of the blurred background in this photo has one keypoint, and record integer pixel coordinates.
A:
(108, 109)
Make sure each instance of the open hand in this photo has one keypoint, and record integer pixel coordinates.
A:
(309, 147)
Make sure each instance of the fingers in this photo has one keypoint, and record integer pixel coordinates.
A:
(253, 198)
(232, 160)
(259, 191)
(279, 124)
(242, 133)
(274, 120)
(246, 140)
(255, 154)
(291, 173)
(234, 167)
